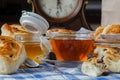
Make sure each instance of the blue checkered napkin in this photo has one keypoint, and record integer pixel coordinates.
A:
(47, 73)
(79, 75)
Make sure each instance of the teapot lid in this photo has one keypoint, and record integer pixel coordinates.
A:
(33, 22)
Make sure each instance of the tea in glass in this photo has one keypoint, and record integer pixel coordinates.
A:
(71, 46)
(33, 50)
(32, 46)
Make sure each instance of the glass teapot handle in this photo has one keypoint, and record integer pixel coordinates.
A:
(45, 44)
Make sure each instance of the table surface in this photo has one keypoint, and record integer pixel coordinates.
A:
(46, 72)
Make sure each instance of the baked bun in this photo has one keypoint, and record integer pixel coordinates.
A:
(56, 32)
(100, 50)
(112, 29)
(12, 30)
(106, 59)
(12, 55)
(98, 31)
(112, 62)
(93, 67)
(107, 29)
(59, 30)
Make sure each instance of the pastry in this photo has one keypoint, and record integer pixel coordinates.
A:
(94, 67)
(12, 55)
(59, 30)
(112, 62)
(105, 59)
(101, 50)
(108, 29)
(12, 29)
(105, 56)
(98, 31)
(112, 29)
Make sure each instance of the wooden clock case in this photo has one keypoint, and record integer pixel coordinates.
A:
(74, 22)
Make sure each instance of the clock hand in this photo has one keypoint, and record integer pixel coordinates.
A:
(59, 5)
(58, 2)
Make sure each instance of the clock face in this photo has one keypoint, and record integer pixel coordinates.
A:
(58, 8)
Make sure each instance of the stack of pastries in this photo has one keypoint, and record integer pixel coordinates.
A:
(105, 58)
(12, 52)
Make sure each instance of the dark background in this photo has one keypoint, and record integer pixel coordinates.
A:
(10, 11)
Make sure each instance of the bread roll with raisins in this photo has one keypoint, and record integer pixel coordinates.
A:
(94, 67)
(12, 55)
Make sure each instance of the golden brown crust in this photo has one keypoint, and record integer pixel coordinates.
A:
(12, 29)
(9, 48)
(12, 55)
(112, 29)
(98, 31)
(106, 47)
(59, 30)
(17, 28)
(101, 50)
(107, 29)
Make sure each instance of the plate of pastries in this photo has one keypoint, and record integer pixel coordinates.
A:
(106, 55)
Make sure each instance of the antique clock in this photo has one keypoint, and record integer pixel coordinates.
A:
(62, 13)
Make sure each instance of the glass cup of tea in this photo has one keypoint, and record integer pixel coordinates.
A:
(32, 46)
(71, 46)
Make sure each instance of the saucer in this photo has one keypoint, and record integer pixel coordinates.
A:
(68, 64)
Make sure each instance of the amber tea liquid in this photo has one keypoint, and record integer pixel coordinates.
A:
(33, 50)
(72, 50)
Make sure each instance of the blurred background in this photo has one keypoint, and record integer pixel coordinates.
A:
(10, 11)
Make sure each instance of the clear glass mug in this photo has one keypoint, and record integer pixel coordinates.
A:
(71, 46)
(32, 46)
